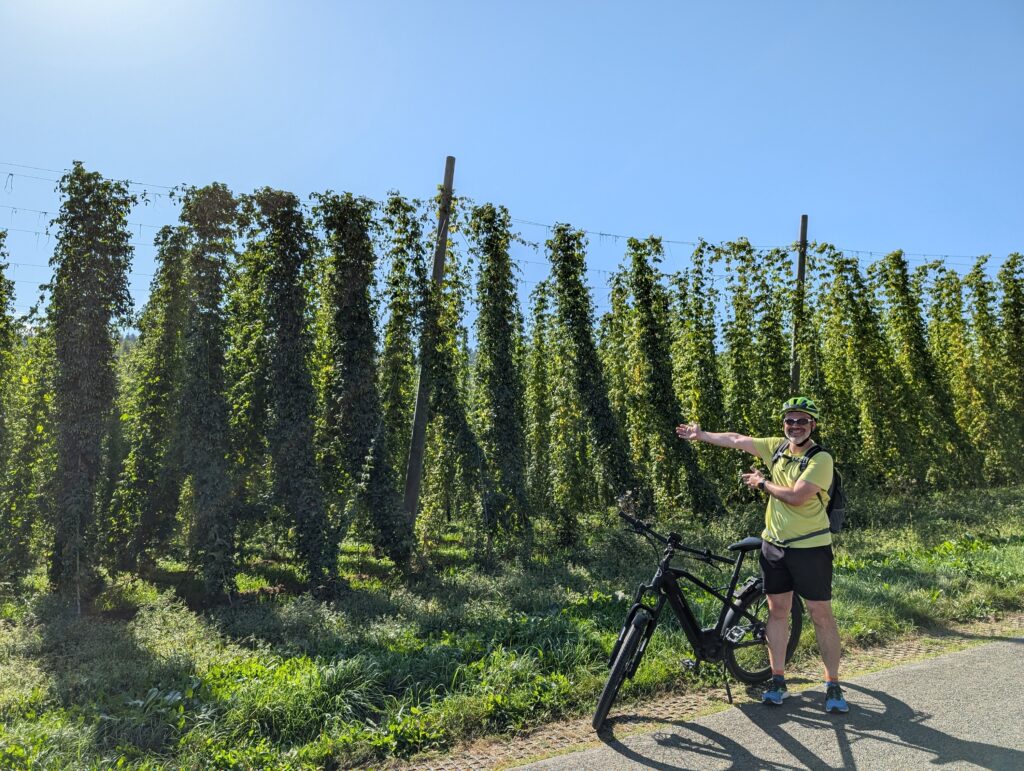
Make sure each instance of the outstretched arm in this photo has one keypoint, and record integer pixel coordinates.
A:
(694, 433)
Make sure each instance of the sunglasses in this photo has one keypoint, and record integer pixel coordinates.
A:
(797, 421)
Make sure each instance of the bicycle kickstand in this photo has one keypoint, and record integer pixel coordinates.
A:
(725, 679)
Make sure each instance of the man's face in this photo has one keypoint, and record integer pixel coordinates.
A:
(798, 426)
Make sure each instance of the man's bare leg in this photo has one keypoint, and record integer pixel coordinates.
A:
(779, 607)
(827, 632)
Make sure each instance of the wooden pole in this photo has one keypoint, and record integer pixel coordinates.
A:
(798, 308)
(414, 470)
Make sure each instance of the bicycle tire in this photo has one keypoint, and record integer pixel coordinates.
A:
(746, 652)
(620, 667)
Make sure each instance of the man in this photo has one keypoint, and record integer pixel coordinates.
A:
(796, 552)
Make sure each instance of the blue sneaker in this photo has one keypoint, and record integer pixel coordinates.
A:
(776, 692)
(834, 701)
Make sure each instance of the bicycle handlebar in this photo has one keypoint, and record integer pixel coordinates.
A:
(673, 540)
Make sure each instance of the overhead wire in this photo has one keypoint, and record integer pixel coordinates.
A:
(914, 257)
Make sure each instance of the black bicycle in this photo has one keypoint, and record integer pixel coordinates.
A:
(736, 641)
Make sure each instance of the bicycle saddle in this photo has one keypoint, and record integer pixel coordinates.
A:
(747, 544)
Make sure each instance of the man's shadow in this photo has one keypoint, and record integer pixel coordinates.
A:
(874, 715)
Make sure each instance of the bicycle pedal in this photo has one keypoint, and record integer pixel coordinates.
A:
(735, 633)
(693, 665)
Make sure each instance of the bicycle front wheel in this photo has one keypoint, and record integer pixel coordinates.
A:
(623, 665)
(746, 646)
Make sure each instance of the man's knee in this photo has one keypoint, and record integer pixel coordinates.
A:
(820, 611)
(780, 605)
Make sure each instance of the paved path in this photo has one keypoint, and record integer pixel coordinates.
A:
(959, 710)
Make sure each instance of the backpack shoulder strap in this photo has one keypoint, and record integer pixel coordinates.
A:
(806, 457)
(778, 452)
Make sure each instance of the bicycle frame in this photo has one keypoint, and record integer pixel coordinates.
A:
(707, 643)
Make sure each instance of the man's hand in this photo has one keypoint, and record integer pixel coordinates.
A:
(753, 478)
(694, 433)
(690, 431)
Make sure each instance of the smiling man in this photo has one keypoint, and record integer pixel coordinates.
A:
(796, 549)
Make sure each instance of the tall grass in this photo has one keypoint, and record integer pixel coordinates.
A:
(286, 681)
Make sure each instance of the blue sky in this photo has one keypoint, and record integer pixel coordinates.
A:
(891, 124)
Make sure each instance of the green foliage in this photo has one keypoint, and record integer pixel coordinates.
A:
(868, 423)
(987, 424)
(209, 214)
(279, 259)
(149, 487)
(950, 457)
(29, 477)
(949, 344)
(14, 549)
(1011, 348)
(453, 449)
(352, 439)
(575, 318)
(500, 390)
(756, 355)
(656, 409)
(697, 376)
(560, 470)
(89, 292)
(8, 337)
(405, 290)
(247, 372)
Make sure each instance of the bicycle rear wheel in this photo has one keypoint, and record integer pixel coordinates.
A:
(623, 665)
(746, 648)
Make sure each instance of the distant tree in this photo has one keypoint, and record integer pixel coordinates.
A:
(247, 375)
(114, 526)
(771, 342)
(578, 486)
(89, 293)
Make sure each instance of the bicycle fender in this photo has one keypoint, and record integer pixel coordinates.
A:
(751, 587)
(630, 618)
(647, 634)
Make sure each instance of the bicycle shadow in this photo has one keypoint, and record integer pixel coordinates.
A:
(874, 716)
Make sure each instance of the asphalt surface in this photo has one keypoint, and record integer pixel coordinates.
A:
(956, 711)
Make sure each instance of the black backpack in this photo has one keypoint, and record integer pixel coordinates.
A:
(836, 508)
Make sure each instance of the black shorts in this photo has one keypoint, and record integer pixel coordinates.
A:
(808, 572)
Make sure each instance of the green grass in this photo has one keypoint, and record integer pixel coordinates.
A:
(281, 680)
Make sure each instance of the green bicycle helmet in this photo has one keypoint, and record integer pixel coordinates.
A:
(801, 404)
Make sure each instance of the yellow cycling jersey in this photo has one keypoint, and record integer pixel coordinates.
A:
(783, 521)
